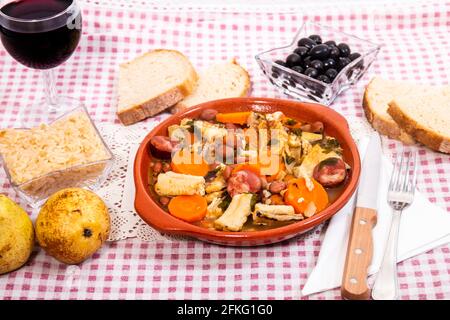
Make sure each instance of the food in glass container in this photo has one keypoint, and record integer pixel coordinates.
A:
(245, 171)
(44, 159)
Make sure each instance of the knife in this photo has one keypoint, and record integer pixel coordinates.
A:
(360, 244)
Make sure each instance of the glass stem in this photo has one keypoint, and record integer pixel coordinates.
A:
(51, 94)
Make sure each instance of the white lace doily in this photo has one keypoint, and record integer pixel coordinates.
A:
(118, 190)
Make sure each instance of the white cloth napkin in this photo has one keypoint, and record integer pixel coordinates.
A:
(423, 227)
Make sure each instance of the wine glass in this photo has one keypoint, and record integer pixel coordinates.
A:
(42, 34)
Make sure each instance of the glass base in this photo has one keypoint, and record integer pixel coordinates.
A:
(44, 112)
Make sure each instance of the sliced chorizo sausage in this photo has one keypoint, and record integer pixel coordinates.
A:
(162, 147)
(242, 182)
(330, 172)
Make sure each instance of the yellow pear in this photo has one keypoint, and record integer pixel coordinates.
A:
(16, 235)
(72, 225)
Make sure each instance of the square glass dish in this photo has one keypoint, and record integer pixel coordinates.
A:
(306, 88)
(69, 152)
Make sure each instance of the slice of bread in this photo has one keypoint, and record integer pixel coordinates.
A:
(424, 113)
(379, 92)
(152, 83)
(219, 81)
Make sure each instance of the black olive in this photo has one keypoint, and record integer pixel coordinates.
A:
(307, 62)
(331, 73)
(331, 43)
(281, 63)
(298, 69)
(293, 60)
(321, 52)
(330, 64)
(87, 233)
(354, 56)
(343, 61)
(275, 75)
(316, 38)
(275, 68)
(334, 53)
(301, 51)
(306, 42)
(311, 72)
(317, 64)
(344, 49)
(323, 78)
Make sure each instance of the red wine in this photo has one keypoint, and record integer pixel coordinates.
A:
(40, 34)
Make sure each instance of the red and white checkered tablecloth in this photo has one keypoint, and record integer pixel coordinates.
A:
(416, 46)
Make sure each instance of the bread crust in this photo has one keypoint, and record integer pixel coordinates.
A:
(162, 102)
(180, 106)
(382, 125)
(431, 139)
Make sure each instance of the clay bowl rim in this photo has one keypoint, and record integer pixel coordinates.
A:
(149, 210)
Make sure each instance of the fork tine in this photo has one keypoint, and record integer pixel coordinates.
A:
(407, 176)
(414, 178)
(400, 171)
(394, 174)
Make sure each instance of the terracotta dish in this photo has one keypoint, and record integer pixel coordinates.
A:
(336, 126)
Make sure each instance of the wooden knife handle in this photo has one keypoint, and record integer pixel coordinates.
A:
(359, 255)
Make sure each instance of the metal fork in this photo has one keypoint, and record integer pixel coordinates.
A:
(400, 196)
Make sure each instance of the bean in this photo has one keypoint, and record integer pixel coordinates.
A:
(166, 167)
(306, 127)
(263, 182)
(208, 114)
(231, 126)
(157, 167)
(277, 186)
(164, 201)
(317, 127)
(276, 199)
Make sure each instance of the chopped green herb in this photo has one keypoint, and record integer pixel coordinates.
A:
(297, 131)
(225, 202)
(288, 159)
(254, 201)
(330, 144)
(211, 175)
(290, 122)
(190, 125)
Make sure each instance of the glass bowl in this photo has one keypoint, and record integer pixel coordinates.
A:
(306, 88)
(87, 175)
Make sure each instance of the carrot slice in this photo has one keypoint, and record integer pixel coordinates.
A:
(188, 208)
(190, 164)
(299, 196)
(234, 117)
(288, 178)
